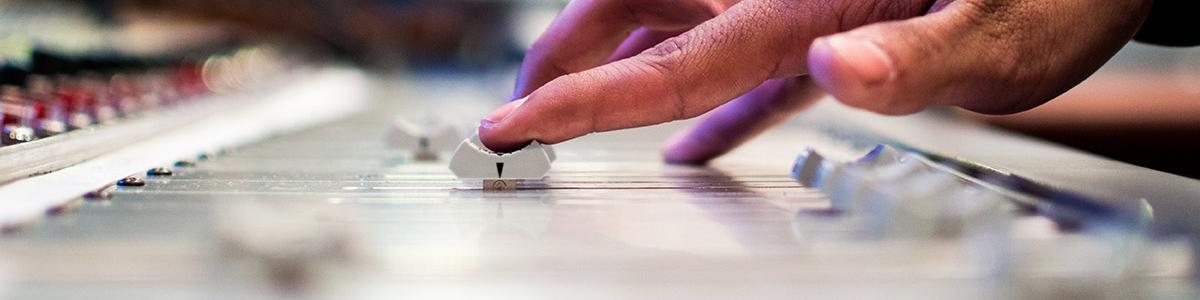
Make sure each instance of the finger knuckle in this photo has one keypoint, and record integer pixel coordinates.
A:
(670, 48)
(666, 60)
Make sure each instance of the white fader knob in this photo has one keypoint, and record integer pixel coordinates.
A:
(500, 171)
(424, 140)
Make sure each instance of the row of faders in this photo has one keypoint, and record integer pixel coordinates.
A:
(47, 93)
(892, 196)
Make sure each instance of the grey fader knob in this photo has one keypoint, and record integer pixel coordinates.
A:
(500, 170)
(425, 140)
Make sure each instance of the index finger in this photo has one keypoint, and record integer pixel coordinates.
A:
(679, 78)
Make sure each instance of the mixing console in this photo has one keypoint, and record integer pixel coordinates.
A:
(85, 100)
(334, 212)
(254, 172)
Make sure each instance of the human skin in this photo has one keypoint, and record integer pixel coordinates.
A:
(613, 64)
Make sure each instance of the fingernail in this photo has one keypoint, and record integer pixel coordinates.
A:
(866, 60)
(503, 112)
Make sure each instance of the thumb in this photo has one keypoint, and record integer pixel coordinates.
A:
(986, 56)
(900, 67)
(949, 57)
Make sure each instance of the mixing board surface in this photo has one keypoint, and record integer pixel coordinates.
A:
(160, 150)
(332, 212)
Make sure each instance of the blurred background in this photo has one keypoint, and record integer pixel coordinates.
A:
(1143, 107)
(469, 34)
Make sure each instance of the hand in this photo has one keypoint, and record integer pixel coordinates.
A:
(613, 64)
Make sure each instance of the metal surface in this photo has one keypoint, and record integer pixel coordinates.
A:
(331, 212)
